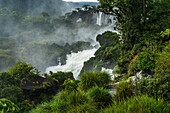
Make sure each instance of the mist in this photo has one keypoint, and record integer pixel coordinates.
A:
(41, 32)
(35, 7)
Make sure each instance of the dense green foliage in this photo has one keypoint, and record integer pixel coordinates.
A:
(7, 80)
(162, 62)
(143, 45)
(15, 94)
(23, 85)
(75, 100)
(140, 29)
(97, 99)
(67, 102)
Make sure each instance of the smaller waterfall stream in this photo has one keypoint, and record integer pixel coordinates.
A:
(99, 19)
(74, 62)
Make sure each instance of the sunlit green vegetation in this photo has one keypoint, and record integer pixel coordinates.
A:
(7, 106)
(139, 104)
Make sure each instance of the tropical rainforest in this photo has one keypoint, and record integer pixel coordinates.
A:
(34, 37)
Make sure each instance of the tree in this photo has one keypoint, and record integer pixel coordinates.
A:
(135, 17)
(139, 23)
(23, 70)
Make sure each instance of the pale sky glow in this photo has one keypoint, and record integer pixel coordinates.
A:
(81, 0)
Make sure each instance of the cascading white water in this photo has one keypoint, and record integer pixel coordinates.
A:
(105, 19)
(99, 18)
(74, 62)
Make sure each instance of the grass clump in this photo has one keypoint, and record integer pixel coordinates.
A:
(91, 79)
(125, 89)
(139, 104)
(65, 101)
(100, 96)
(84, 108)
(45, 107)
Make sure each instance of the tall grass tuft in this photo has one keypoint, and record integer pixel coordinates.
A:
(101, 97)
(143, 104)
(91, 79)
(124, 90)
(77, 97)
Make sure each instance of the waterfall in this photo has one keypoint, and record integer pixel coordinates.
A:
(59, 61)
(99, 18)
(105, 19)
(74, 62)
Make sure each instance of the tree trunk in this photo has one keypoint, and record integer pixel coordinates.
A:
(144, 8)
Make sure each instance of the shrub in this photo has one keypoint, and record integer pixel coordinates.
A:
(70, 85)
(101, 97)
(91, 79)
(156, 87)
(65, 100)
(23, 70)
(15, 94)
(124, 89)
(61, 76)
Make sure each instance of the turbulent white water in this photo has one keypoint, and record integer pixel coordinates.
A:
(74, 62)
